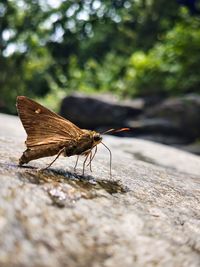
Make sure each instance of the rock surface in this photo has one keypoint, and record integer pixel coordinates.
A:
(182, 112)
(147, 214)
(173, 121)
(99, 110)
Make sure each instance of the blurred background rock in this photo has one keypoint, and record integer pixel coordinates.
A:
(105, 64)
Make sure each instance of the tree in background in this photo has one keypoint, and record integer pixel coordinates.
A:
(50, 48)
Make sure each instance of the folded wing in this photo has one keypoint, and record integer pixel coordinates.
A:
(44, 127)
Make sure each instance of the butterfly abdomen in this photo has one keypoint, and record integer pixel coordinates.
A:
(31, 154)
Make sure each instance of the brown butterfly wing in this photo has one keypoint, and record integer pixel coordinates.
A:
(44, 127)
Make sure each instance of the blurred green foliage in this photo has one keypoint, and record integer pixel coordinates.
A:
(171, 67)
(131, 48)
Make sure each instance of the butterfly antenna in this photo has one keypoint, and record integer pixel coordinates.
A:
(110, 157)
(108, 131)
(116, 130)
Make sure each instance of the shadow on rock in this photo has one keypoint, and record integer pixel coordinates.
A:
(65, 188)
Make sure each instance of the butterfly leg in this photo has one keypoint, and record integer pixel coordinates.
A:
(59, 153)
(87, 155)
(91, 158)
(76, 163)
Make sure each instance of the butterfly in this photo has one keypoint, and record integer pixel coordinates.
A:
(49, 134)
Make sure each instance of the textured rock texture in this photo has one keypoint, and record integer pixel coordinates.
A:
(147, 214)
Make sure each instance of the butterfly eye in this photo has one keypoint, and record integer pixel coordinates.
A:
(97, 137)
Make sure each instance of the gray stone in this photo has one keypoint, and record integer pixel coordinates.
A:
(99, 110)
(182, 112)
(147, 214)
(158, 130)
(192, 148)
(173, 121)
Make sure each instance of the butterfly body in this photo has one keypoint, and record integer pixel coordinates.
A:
(80, 146)
(49, 134)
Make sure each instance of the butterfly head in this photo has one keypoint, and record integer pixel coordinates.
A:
(96, 137)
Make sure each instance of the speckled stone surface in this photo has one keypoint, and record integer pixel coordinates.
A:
(147, 214)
